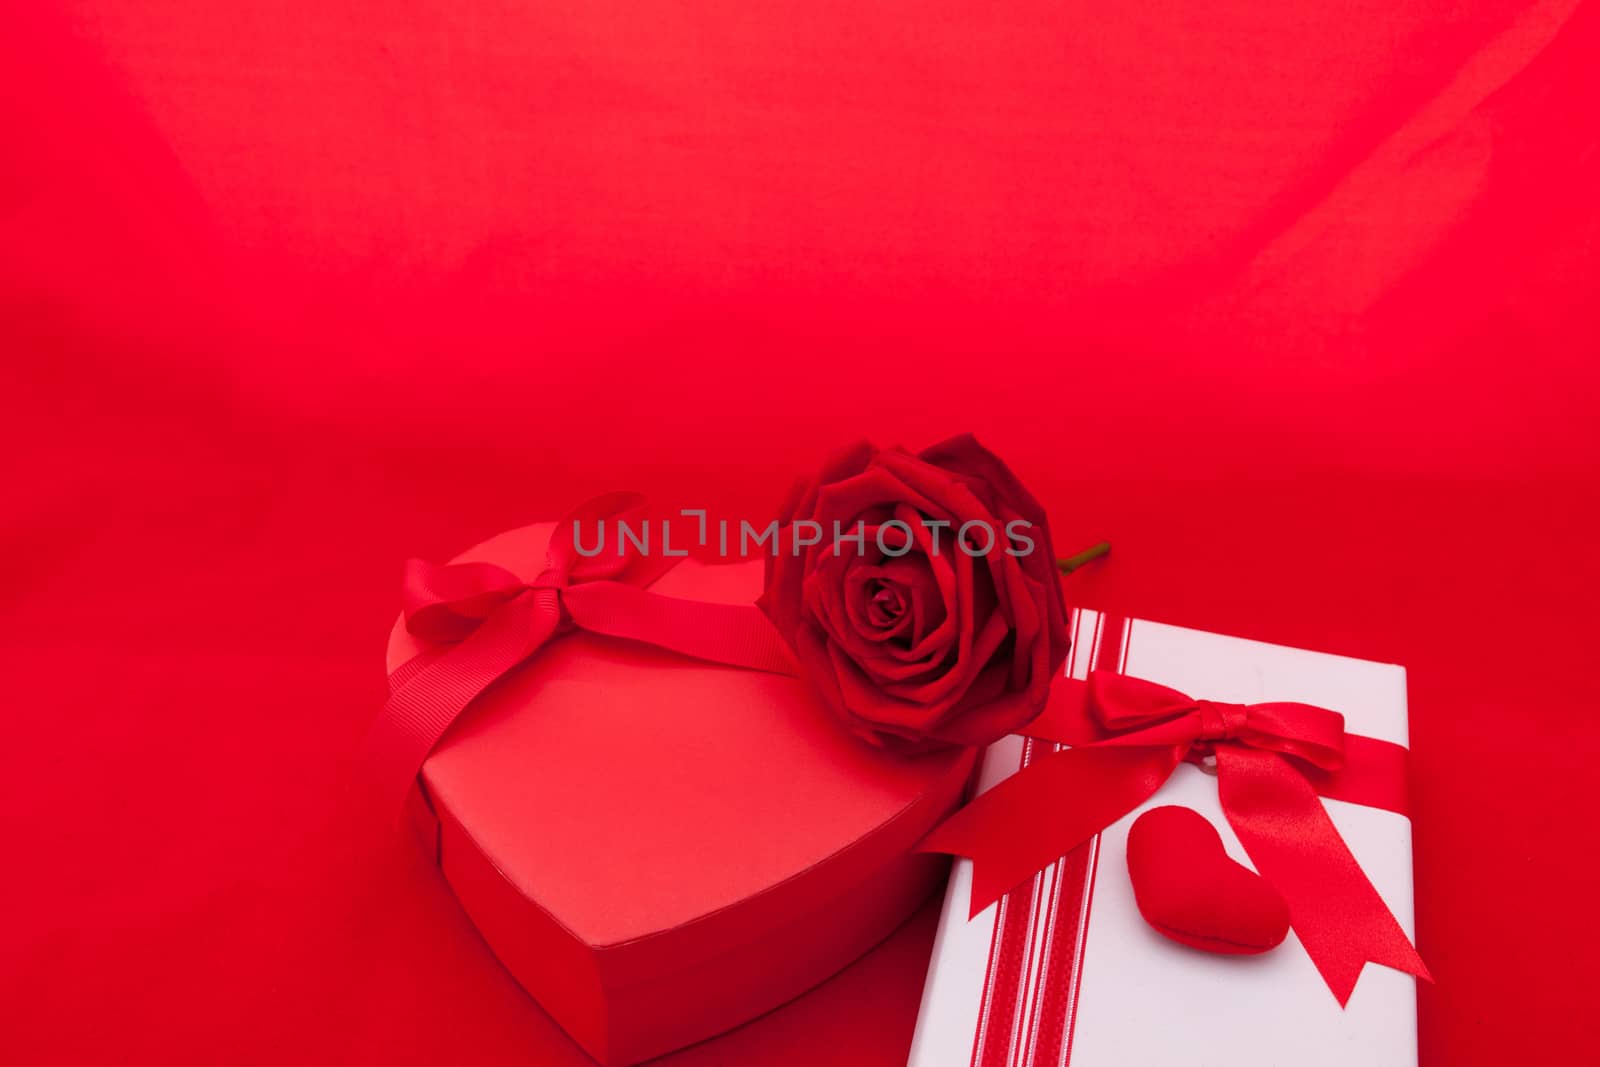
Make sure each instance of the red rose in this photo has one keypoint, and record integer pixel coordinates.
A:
(920, 593)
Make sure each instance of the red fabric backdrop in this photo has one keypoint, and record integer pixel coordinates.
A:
(1294, 303)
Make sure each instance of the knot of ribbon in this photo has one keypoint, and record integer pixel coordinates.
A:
(483, 620)
(1219, 721)
(1274, 763)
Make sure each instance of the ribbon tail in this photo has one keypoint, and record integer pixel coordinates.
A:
(1334, 908)
(425, 702)
(1045, 810)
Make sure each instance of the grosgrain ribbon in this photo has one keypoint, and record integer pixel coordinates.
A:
(1274, 761)
(486, 620)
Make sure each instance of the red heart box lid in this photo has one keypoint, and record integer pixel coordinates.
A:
(660, 811)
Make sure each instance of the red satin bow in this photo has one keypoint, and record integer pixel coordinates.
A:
(488, 620)
(1272, 760)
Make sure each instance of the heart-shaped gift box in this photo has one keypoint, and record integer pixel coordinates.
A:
(658, 848)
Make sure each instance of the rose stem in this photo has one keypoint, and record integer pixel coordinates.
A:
(1072, 563)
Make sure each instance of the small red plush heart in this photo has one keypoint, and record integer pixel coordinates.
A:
(1189, 889)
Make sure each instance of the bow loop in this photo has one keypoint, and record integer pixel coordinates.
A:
(1132, 710)
(587, 544)
(443, 604)
(1121, 702)
(1304, 731)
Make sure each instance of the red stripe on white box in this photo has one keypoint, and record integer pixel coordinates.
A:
(1035, 961)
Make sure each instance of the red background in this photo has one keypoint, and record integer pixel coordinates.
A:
(1294, 303)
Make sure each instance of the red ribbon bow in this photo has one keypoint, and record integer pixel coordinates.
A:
(1272, 763)
(488, 620)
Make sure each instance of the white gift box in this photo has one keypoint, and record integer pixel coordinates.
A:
(1065, 970)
